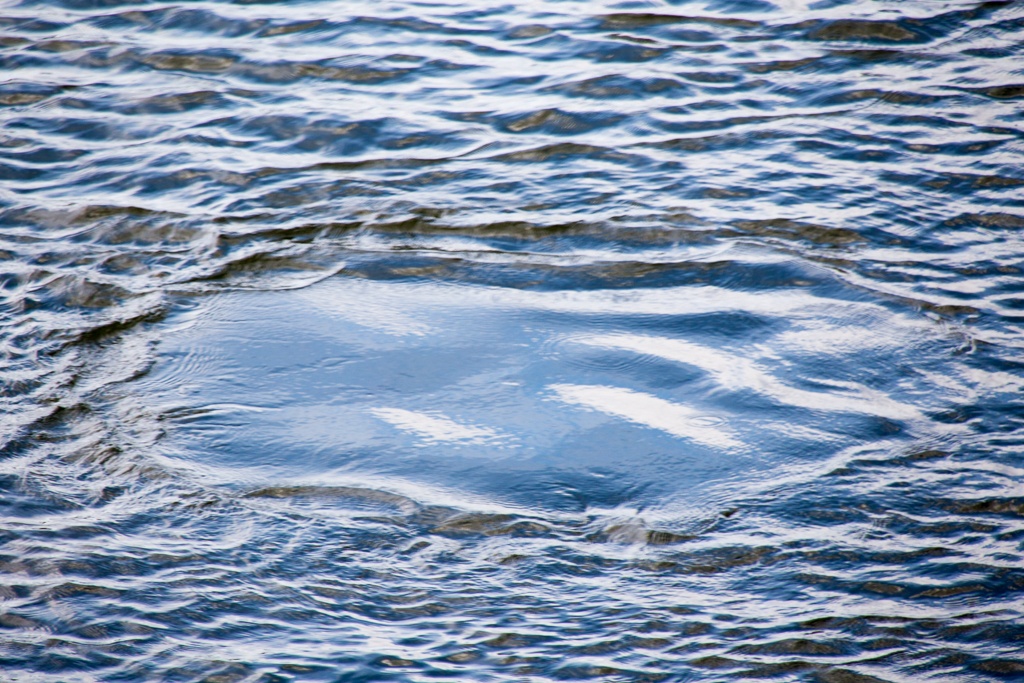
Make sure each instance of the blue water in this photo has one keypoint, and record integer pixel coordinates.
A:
(639, 341)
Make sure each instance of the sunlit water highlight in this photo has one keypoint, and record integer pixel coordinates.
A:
(641, 341)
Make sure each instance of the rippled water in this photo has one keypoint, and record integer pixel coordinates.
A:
(637, 341)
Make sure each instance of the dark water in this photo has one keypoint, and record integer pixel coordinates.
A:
(638, 341)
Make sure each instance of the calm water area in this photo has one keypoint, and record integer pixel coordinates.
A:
(640, 341)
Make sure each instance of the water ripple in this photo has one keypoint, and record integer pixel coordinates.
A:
(613, 341)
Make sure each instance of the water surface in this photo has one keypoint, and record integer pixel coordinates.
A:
(618, 341)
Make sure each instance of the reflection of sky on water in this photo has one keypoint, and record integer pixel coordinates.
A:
(673, 342)
(436, 427)
(736, 373)
(430, 382)
(650, 411)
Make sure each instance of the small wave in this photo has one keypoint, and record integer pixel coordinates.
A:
(346, 341)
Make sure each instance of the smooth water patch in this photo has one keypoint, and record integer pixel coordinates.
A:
(556, 399)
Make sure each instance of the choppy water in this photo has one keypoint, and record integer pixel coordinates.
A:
(639, 341)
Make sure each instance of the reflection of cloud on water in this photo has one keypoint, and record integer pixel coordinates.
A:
(404, 309)
(436, 427)
(392, 311)
(734, 372)
(650, 411)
